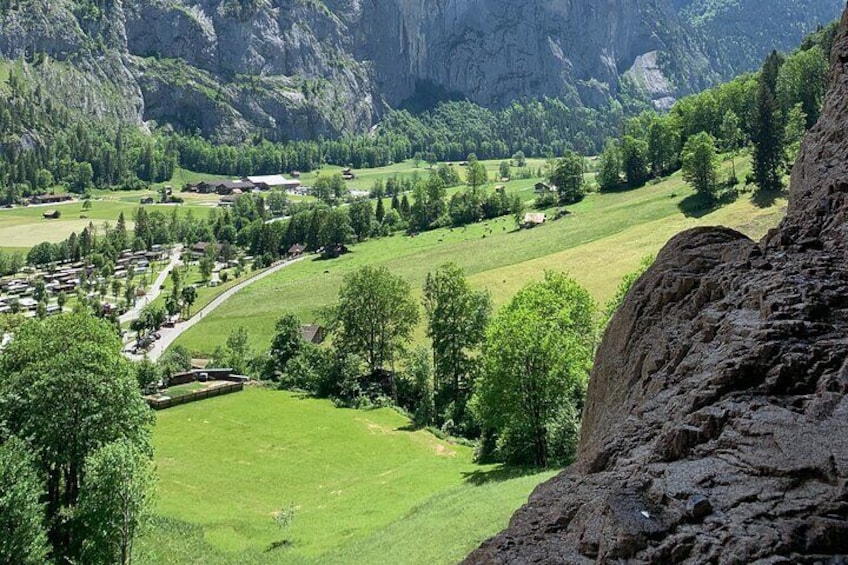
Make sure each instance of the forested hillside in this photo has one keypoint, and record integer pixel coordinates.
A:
(40, 151)
(302, 70)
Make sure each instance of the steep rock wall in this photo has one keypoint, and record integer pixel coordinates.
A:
(716, 425)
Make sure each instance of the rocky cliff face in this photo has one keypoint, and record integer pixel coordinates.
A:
(304, 68)
(496, 51)
(716, 427)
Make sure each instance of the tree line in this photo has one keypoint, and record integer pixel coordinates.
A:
(769, 111)
(513, 382)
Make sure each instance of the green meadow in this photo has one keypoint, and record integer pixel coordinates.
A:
(602, 238)
(25, 227)
(365, 488)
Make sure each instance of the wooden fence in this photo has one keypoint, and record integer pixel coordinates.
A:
(163, 403)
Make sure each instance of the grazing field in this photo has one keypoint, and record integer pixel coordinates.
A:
(603, 238)
(365, 487)
(25, 227)
(365, 178)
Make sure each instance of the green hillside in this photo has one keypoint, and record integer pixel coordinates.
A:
(365, 488)
(603, 238)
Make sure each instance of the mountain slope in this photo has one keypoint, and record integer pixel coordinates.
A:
(296, 69)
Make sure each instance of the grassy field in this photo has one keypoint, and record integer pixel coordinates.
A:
(365, 178)
(24, 227)
(603, 238)
(365, 488)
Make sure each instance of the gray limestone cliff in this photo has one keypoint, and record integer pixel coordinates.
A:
(305, 68)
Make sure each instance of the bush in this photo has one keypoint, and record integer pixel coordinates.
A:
(546, 200)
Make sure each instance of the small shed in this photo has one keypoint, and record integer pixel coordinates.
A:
(52, 214)
(296, 250)
(312, 333)
(534, 219)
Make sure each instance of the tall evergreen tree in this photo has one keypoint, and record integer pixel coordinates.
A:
(769, 161)
(380, 213)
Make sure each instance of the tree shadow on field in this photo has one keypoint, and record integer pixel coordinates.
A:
(498, 474)
(699, 205)
(282, 544)
(766, 199)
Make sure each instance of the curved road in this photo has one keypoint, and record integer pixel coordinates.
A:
(169, 335)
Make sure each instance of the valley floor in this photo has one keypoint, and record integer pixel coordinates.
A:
(365, 487)
(603, 238)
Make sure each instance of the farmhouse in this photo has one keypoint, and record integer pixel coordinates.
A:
(296, 250)
(230, 187)
(221, 187)
(199, 249)
(312, 334)
(267, 182)
(50, 198)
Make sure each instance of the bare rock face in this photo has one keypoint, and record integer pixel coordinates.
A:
(716, 427)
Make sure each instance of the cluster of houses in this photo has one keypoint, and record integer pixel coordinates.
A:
(67, 277)
(241, 186)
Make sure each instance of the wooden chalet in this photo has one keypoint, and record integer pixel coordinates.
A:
(50, 198)
(296, 250)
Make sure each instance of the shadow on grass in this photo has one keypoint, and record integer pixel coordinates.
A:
(698, 205)
(278, 545)
(766, 199)
(498, 474)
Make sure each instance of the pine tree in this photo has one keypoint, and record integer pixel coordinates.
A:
(769, 156)
(405, 208)
(380, 212)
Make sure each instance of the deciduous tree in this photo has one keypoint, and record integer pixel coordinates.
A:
(375, 315)
(700, 165)
(536, 360)
(115, 501)
(567, 176)
(66, 387)
(22, 534)
(456, 323)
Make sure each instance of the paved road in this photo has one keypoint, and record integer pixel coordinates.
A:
(169, 335)
(155, 290)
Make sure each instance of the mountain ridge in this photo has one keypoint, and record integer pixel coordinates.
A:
(301, 69)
